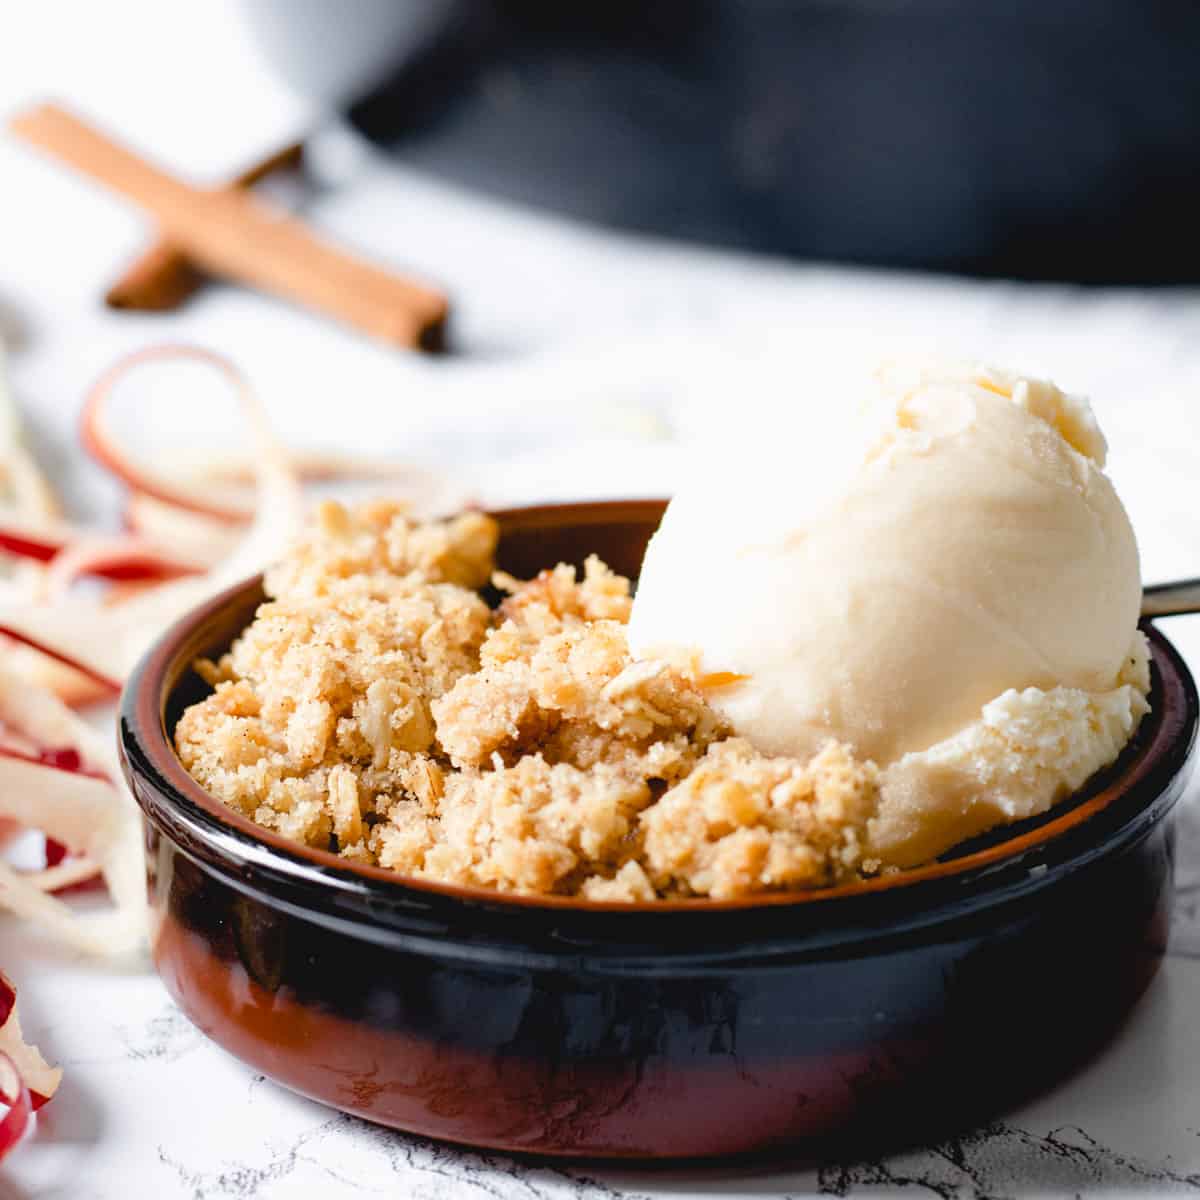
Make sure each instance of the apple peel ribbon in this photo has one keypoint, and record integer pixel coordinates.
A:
(26, 1080)
(58, 776)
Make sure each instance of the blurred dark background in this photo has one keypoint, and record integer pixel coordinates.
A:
(1039, 139)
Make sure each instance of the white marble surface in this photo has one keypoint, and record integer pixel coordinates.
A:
(589, 363)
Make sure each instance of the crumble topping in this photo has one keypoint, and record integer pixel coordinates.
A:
(378, 708)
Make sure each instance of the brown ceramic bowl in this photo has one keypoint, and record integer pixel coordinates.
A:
(690, 1028)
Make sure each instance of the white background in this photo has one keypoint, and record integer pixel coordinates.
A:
(589, 364)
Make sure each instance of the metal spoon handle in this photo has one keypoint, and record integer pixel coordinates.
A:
(1171, 599)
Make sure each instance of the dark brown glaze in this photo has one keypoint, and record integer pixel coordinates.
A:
(691, 1028)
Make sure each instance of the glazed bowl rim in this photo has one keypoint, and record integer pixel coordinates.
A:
(1162, 748)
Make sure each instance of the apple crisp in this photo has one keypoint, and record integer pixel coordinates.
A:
(377, 707)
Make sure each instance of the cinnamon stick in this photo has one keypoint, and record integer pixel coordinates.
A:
(163, 277)
(235, 234)
(158, 280)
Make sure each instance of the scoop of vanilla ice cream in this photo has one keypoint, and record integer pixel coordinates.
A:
(949, 584)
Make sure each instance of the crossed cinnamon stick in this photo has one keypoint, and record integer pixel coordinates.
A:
(163, 277)
(232, 233)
